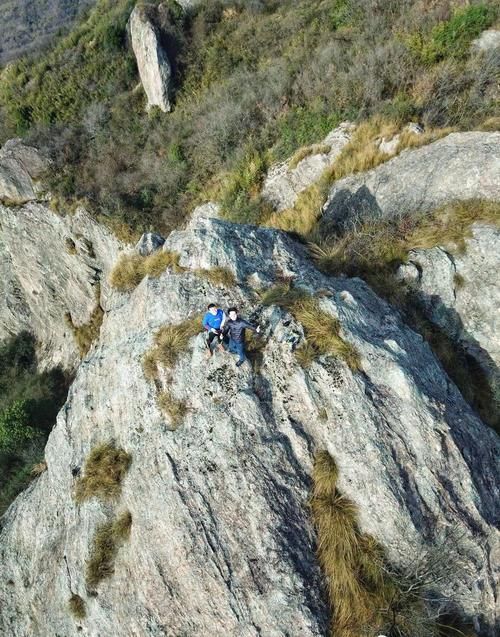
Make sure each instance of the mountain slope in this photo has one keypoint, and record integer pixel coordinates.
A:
(28, 25)
(221, 540)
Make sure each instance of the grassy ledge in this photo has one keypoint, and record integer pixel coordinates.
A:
(375, 250)
(322, 330)
(131, 269)
(362, 153)
(103, 474)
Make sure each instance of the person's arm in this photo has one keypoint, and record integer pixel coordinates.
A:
(224, 319)
(205, 322)
(224, 330)
(251, 326)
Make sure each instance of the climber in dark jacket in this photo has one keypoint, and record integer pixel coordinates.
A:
(235, 327)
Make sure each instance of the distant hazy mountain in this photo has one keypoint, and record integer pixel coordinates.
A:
(26, 25)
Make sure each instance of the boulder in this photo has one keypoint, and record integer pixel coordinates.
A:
(488, 40)
(458, 167)
(148, 243)
(21, 167)
(283, 184)
(221, 541)
(152, 61)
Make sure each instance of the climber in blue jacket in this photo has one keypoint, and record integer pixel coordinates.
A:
(213, 322)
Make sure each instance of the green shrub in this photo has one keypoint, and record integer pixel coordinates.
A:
(245, 81)
(103, 474)
(303, 126)
(29, 402)
(107, 540)
(452, 38)
(15, 429)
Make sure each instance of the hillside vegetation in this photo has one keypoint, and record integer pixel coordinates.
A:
(29, 402)
(254, 81)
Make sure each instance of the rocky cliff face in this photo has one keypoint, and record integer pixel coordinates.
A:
(458, 167)
(221, 542)
(50, 265)
(459, 292)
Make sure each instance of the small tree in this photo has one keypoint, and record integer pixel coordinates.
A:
(14, 427)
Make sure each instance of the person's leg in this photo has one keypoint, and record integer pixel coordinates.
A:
(232, 346)
(210, 338)
(213, 340)
(240, 348)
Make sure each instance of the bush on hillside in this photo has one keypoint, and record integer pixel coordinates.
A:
(29, 402)
(248, 77)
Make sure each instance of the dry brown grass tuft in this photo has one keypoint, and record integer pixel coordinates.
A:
(104, 471)
(77, 606)
(218, 276)
(175, 410)
(306, 151)
(351, 561)
(38, 469)
(107, 540)
(305, 354)
(87, 333)
(322, 330)
(305, 213)
(131, 269)
(169, 343)
(69, 246)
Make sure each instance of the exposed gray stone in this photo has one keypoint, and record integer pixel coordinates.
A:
(209, 210)
(389, 145)
(489, 39)
(458, 167)
(51, 265)
(283, 184)
(21, 167)
(460, 293)
(152, 61)
(221, 541)
(149, 242)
